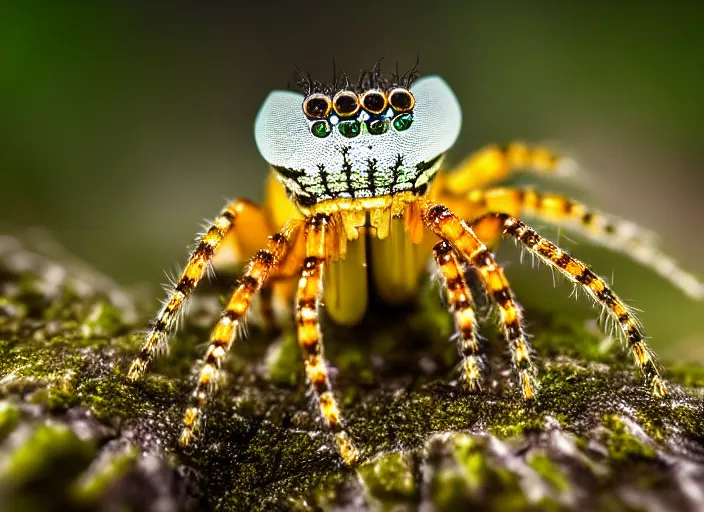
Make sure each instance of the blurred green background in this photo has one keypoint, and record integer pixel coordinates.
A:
(123, 125)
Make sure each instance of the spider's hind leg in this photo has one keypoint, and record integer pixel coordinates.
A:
(495, 163)
(600, 228)
(581, 275)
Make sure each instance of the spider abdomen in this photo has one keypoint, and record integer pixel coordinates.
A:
(391, 269)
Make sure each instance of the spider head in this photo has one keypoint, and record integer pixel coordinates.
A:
(356, 141)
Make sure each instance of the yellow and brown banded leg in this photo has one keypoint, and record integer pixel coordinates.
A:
(206, 248)
(465, 243)
(602, 229)
(310, 336)
(581, 275)
(260, 267)
(459, 297)
(495, 163)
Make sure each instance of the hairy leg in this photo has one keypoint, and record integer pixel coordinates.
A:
(600, 228)
(581, 275)
(495, 163)
(450, 228)
(262, 264)
(459, 297)
(310, 336)
(206, 248)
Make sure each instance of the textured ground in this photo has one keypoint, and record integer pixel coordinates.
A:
(75, 434)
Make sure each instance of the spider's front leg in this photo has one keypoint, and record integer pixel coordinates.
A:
(206, 248)
(581, 275)
(260, 267)
(310, 337)
(451, 229)
(459, 298)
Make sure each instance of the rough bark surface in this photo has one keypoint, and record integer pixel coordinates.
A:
(76, 435)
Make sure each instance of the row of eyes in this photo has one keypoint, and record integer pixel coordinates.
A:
(317, 108)
(347, 103)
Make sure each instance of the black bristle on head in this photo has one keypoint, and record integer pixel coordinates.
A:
(372, 78)
(410, 75)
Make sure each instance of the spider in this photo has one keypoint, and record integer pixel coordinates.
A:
(357, 203)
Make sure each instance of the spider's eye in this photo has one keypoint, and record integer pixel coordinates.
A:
(320, 128)
(401, 100)
(403, 122)
(378, 126)
(317, 106)
(349, 128)
(374, 101)
(345, 103)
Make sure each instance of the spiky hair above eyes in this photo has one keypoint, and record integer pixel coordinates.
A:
(368, 79)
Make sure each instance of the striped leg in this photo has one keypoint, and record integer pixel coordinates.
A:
(581, 275)
(465, 243)
(206, 248)
(262, 264)
(459, 297)
(600, 228)
(495, 163)
(310, 336)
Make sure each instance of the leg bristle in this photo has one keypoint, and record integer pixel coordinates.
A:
(459, 298)
(167, 319)
(596, 287)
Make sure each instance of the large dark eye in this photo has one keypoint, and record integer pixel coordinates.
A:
(374, 101)
(401, 100)
(317, 106)
(345, 103)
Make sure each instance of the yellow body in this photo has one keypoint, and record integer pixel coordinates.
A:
(380, 245)
(377, 245)
(374, 245)
(343, 250)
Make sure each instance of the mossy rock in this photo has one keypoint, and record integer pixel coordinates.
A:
(76, 435)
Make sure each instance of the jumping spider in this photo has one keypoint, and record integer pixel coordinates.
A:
(356, 165)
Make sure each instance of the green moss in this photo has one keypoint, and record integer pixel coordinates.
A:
(449, 491)
(92, 484)
(622, 445)
(548, 470)
(114, 397)
(103, 319)
(691, 376)
(469, 454)
(9, 418)
(262, 448)
(47, 449)
(284, 360)
(390, 479)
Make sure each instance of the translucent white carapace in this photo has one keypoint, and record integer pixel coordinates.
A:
(316, 168)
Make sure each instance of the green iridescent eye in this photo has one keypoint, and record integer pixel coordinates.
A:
(320, 129)
(403, 122)
(378, 126)
(349, 128)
